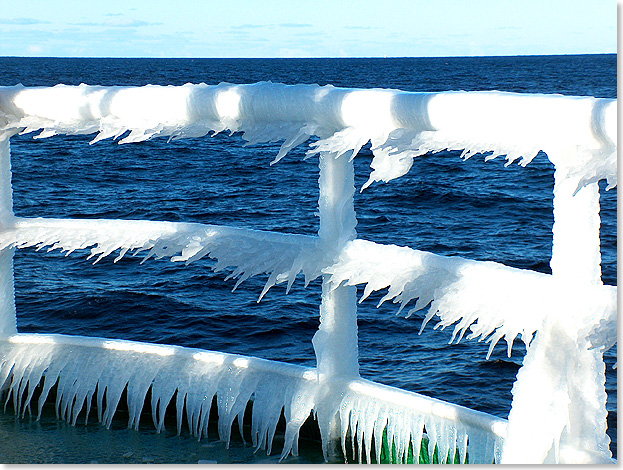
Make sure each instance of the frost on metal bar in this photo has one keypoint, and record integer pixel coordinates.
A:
(249, 252)
(488, 298)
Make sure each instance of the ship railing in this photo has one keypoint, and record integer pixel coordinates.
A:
(558, 411)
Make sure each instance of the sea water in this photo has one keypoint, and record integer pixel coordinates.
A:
(473, 209)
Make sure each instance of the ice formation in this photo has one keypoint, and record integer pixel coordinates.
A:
(486, 297)
(249, 252)
(91, 371)
(87, 368)
(401, 125)
(566, 362)
(566, 319)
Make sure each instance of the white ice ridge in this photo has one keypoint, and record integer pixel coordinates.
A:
(86, 369)
(579, 134)
(248, 252)
(493, 300)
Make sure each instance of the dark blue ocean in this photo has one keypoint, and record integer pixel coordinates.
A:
(470, 208)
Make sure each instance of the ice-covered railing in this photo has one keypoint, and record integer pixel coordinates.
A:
(567, 319)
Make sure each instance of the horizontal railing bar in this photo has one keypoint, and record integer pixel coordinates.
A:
(134, 351)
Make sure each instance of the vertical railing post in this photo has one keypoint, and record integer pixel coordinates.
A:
(8, 322)
(562, 381)
(576, 259)
(335, 342)
(576, 248)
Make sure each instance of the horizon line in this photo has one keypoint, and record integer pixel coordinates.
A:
(313, 57)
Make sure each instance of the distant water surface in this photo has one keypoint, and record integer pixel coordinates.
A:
(478, 210)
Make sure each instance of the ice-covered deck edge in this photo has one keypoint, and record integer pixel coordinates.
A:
(578, 134)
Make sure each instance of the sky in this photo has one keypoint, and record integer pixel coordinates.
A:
(302, 28)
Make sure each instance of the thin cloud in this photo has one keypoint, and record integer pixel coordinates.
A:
(248, 26)
(117, 23)
(295, 25)
(365, 28)
(23, 21)
(508, 28)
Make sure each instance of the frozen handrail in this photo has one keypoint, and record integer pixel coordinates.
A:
(248, 252)
(90, 369)
(190, 378)
(458, 290)
(401, 125)
(488, 298)
(578, 134)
